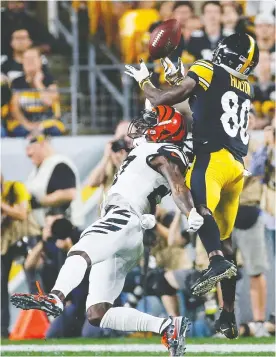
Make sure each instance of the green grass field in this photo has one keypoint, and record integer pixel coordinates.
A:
(137, 347)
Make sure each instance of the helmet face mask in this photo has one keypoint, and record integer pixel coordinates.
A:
(238, 52)
(138, 126)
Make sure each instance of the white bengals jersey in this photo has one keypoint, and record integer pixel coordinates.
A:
(138, 183)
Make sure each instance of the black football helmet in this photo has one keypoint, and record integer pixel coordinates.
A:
(239, 52)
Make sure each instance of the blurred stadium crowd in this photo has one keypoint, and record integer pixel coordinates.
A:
(41, 218)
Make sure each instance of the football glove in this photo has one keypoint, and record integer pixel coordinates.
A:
(173, 75)
(141, 75)
(195, 221)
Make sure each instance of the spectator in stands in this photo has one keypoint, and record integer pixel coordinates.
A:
(12, 66)
(165, 9)
(43, 261)
(249, 236)
(232, 21)
(265, 35)
(264, 90)
(183, 11)
(46, 259)
(114, 154)
(165, 12)
(35, 100)
(203, 42)
(5, 105)
(146, 4)
(263, 165)
(16, 222)
(15, 16)
(54, 181)
(265, 32)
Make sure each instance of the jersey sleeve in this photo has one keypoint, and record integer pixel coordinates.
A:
(202, 72)
(175, 155)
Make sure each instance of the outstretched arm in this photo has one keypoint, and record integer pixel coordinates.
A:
(180, 192)
(170, 96)
(173, 95)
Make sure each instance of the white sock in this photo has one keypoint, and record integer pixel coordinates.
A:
(128, 319)
(71, 274)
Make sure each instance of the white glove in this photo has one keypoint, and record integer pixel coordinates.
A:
(173, 75)
(140, 75)
(195, 221)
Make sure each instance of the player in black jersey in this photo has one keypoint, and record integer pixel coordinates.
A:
(220, 97)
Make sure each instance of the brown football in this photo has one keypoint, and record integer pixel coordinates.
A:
(164, 39)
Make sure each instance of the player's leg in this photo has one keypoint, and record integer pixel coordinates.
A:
(205, 183)
(225, 215)
(99, 241)
(106, 281)
(206, 179)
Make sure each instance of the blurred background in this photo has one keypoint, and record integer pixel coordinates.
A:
(65, 108)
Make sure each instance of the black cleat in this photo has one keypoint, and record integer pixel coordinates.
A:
(226, 324)
(217, 271)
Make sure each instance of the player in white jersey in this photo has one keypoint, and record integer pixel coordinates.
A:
(113, 244)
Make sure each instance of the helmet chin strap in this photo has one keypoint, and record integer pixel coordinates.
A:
(232, 71)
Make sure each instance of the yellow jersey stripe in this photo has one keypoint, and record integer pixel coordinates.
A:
(202, 72)
(205, 64)
(250, 55)
(30, 94)
(202, 85)
(205, 82)
(35, 108)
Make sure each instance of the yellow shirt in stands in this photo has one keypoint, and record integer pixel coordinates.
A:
(21, 193)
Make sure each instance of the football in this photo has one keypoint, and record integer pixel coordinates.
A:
(164, 39)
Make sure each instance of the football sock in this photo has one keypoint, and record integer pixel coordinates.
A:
(228, 288)
(71, 274)
(209, 234)
(128, 319)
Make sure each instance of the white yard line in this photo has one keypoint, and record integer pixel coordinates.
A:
(220, 348)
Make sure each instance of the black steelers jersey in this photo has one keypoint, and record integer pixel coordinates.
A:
(220, 106)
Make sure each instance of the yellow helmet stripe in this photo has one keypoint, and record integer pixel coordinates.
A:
(250, 55)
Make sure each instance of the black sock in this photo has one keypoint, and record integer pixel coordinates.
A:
(228, 287)
(209, 234)
(216, 258)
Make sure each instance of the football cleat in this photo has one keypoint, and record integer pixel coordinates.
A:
(173, 337)
(226, 324)
(217, 271)
(45, 302)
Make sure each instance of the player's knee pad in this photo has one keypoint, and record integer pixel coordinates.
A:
(96, 312)
(159, 284)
